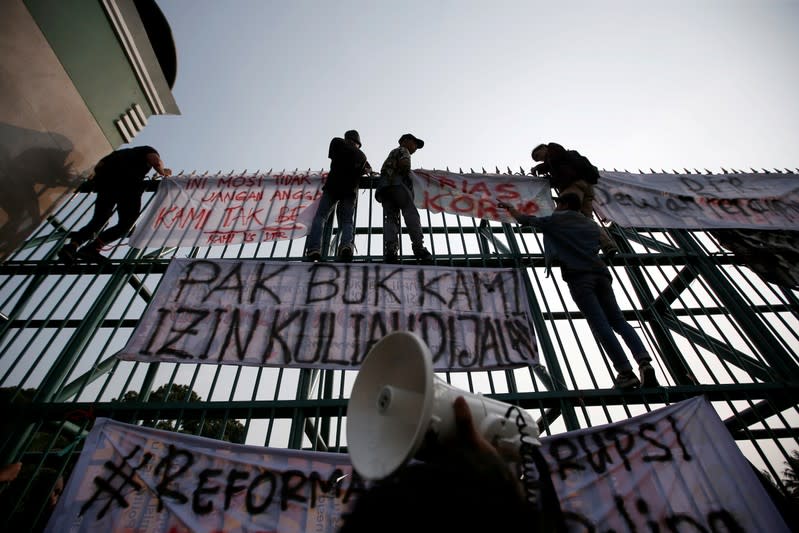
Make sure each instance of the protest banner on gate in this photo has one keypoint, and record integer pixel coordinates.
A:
(476, 195)
(673, 469)
(132, 479)
(234, 209)
(329, 315)
(699, 201)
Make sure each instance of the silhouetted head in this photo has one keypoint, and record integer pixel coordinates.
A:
(354, 137)
(539, 152)
(568, 201)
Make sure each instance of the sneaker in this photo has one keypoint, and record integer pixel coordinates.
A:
(391, 258)
(626, 380)
(345, 253)
(423, 255)
(91, 254)
(68, 253)
(648, 377)
(313, 256)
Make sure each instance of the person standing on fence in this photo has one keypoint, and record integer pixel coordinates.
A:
(572, 241)
(119, 183)
(347, 164)
(395, 192)
(571, 172)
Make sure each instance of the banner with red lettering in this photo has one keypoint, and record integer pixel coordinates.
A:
(699, 201)
(673, 469)
(214, 210)
(222, 210)
(476, 195)
(329, 315)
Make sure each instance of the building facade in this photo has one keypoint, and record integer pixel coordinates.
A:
(79, 79)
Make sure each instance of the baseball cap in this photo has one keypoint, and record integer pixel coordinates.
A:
(419, 142)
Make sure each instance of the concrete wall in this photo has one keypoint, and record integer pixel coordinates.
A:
(48, 136)
(73, 76)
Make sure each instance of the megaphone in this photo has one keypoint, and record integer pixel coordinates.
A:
(398, 406)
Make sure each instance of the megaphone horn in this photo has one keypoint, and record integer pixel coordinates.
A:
(398, 403)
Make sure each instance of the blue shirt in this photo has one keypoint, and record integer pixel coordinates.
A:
(571, 240)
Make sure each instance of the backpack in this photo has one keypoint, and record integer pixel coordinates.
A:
(583, 167)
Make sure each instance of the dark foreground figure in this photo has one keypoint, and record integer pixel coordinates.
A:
(119, 183)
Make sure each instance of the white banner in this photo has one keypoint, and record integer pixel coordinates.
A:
(136, 479)
(329, 315)
(676, 469)
(210, 210)
(673, 469)
(699, 201)
(216, 210)
(476, 195)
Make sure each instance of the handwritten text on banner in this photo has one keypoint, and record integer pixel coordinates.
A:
(699, 201)
(235, 209)
(672, 469)
(328, 315)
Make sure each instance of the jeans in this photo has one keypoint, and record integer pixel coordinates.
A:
(593, 294)
(398, 199)
(345, 209)
(128, 205)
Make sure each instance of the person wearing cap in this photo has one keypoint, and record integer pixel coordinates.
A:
(340, 191)
(395, 192)
(572, 241)
(571, 172)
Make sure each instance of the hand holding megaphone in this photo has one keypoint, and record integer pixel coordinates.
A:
(400, 410)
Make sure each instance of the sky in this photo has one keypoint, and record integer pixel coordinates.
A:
(697, 84)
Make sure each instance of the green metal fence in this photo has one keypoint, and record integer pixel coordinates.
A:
(713, 326)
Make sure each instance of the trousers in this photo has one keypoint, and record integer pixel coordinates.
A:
(398, 199)
(127, 204)
(345, 209)
(593, 294)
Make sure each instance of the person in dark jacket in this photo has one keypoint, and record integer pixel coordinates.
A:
(572, 241)
(119, 183)
(347, 164)
(570, 172)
